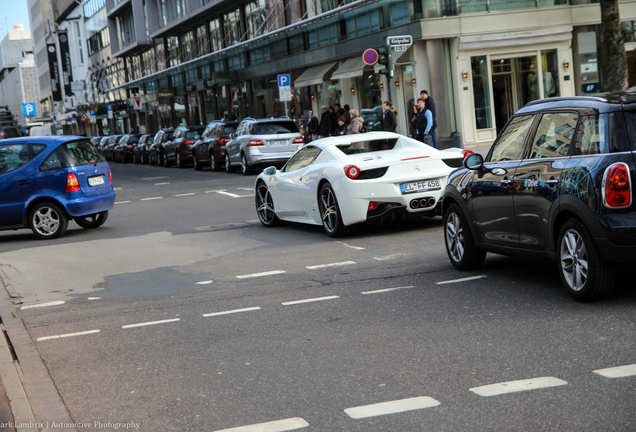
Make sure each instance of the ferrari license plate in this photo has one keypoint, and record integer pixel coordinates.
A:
(420, 186)
(96, 181)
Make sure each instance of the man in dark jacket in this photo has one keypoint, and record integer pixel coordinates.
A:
(389, 122)
(424, 121)
(430, 104)
(339, 110)
(326, 122)
(313, 125)
(347, 114)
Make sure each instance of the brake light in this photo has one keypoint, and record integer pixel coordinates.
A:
(72, 185)
(110, 175)
(223, 141)
(373, 205)
(255, 142)
(298, 140)
(352, 171)
(129, 148)
(617, 189)
(185, 143)
(467, 152)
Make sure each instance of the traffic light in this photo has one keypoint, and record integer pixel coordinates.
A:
(384, 59)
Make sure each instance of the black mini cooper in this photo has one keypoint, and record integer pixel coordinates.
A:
(557, 185)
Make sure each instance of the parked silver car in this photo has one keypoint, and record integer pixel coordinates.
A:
(262, 142)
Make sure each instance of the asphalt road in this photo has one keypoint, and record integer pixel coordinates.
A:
(184, 313)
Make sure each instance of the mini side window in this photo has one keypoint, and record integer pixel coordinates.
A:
(509, 146)
(554, 135)
(591, 135)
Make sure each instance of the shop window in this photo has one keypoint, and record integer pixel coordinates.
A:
(550, 69)
(216, 39)
(328, 93)
(368, 89)
(256, 18)
(191, 75)
(206, 70)
(481, 92)
(236, 62)
(259, 55)
(219, 66)
(176, 80)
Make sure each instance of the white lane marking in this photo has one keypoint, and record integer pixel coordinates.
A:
(232, 311)
(387, 290)
(338, 264)
(122, 202)
(315, 299)
(391, 407)
(233, 195)
(154, 178)
(461, 280)
(53, 303)
(185, 194)
(273, 426)
(148, 199)
(214, 191)
(517, 386)
(67, 335)
(247, 189)
(388, 257)
(618, 372)
(161, 184)
(150, 323)
(349, 246)
(204, 282)
(94, 298)
(267, 273)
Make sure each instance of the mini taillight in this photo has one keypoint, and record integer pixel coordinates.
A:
(352, 171)
(617, 189)
(373, 205)
(110, 176)
(299, 140)
(72, 185)
(255, 142)
(184, 143)
(223, 141)
(467, 152)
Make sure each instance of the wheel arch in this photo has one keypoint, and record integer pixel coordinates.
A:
(29, 207)
(571, 207)
(452, 196)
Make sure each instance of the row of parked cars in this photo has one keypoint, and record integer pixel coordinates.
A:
(223, 144)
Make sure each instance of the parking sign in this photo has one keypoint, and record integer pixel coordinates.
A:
(28, 109)
(284, 80)
(284, 87)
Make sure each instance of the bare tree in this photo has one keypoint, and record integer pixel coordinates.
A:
(613, 46)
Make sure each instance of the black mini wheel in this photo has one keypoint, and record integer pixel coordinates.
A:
(583, 273)
(92, 221)
(460, 245)
(265, 206)
(330, 211)
(48, 221)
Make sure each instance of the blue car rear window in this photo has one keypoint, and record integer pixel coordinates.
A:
(83, 153)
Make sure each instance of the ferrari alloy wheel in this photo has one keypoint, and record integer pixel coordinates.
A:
(460, 246)
(48, 221)
(265, 206)
(583, 273)
(330, 211)
(92, 221)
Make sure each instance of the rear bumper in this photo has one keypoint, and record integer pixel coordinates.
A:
(616, 254)
(88, 206)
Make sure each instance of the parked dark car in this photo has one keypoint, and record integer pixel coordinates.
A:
(140, 150)
(210, 149)
(179, 149)
(372, 118)
(95, 140)
(110, 146)
(47, 181)
(574, 207)
(124, 150)
(156, 150)
(103, 142)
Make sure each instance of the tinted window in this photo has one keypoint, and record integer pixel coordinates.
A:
(133, 140)
(591, 136)
(554, 135)
(193, 134)
(82, 153)
(303, 158)
(37, 148)
(228, 129)
(620, 140)
(12, 157)
(275, 128)
(53, 161)
(510, 143)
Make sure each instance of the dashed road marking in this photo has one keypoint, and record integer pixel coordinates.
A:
(154, 178)
(461, 280)
(389, 257)
(150, 323)
(94, 298)
(53, 303)
(338, 264)
(185, 194)
(391, 407)
(67, 335)
(618, 372)
(121, 202)
(152, 198)
(387, 290)
(232, 311)
(161, 184)
(233, 195)
(315, 299)
(208, 282)
(273, 426)
(349, 246)
(517, 386)
(247, 189)
(267, 273)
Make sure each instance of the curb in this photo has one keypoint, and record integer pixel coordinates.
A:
(33, 398)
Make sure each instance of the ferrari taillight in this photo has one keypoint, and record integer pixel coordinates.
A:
(351, 171)
(72, 185)
(617, 189)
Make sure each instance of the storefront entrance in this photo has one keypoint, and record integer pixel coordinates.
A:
(514, 84)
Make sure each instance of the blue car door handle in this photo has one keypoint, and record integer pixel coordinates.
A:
(23, 183)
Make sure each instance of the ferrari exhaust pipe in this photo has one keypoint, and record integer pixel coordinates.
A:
(424, 202)
(431, 202)
(415, 204)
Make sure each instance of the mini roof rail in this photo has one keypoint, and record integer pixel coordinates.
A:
(567, 98)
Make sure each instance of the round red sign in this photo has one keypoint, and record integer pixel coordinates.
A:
(370, 56)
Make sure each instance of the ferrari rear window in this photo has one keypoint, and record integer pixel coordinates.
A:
(368, 146)
(83, 153)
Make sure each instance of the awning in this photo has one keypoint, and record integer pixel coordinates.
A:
(516, 38)
(313, 75)
(353, 67)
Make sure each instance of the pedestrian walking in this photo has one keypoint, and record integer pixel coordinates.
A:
(313, 126)
(413, 123)
(342, 126)
(389, 122)
(326, 123)
(430, 105)
(339, 110)
(424, 123)
(347, 113)
(355, 127)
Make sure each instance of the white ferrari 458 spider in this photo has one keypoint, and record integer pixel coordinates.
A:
(341, 182)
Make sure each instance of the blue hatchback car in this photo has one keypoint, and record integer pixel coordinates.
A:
(46, 181)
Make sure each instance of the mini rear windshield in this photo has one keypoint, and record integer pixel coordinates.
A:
(368, 146)
(82, 153)
(272, 128)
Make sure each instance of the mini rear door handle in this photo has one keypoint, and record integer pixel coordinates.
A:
(552, 181)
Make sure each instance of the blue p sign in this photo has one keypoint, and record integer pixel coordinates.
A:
(284, 80)
(28, 109)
